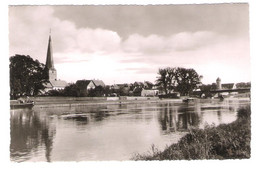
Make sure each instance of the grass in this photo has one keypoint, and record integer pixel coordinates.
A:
(226, 141)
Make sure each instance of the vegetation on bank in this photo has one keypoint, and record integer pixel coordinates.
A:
(226, 141)
(27, 76)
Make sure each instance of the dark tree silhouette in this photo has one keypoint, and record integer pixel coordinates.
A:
(27, 76)
(164, 80)
(178, 79)
(186, 80)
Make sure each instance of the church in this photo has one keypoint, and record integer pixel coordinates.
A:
(54, 83)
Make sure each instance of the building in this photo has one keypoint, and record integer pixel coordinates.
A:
(54, 83)
(149, 92)
(85, 86)
(90, 84)
(225, 86)
(218, 82)
(99, 83)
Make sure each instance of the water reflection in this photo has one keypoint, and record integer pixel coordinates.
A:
(29, 133)
(109, 132)
(174, 118)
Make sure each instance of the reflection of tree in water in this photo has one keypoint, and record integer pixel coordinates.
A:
(187, 120)
(167, 118)
(219, 116)
(28, 133)
(174, 118)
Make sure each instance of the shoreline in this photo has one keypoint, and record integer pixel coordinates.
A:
(105, 102)
(48, 102)
(116, 102)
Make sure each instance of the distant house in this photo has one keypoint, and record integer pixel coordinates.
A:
(138, 84)
(121, 89)
(85, 84)
(99, 83)
(225, 86)
(55, 85)
(149, 92)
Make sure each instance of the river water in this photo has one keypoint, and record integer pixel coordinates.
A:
(110, 132)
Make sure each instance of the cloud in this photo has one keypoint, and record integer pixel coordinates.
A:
(139, 43)
(192, 40)
(102, 53)
(140, 70)
(183, 41)
(29, 29)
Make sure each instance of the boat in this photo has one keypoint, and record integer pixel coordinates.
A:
(188, 100)
(15, 104)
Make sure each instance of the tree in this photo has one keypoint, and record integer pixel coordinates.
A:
(27, 76)
(71, 90)
(186, 80)
(206, 89)
(165, 80)
(96, 92)
(178, 79)
(243, 85)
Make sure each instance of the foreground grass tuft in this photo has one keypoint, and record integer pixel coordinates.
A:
(226, 141)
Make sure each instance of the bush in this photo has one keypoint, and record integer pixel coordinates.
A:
(244, 113)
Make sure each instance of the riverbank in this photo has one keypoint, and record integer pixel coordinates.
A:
(47, 102)
(226, 141)
(43, 102)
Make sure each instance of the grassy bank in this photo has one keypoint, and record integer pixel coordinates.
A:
(226, 141)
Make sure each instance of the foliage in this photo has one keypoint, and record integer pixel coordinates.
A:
(79, 90)
(179, 79)
(81, 87)
(206, 89)
(226, 141)
(186, 79)
(243, 85)
(55, 93)
(71, 90)
(27, 76)
(165, 79)
(96, 92)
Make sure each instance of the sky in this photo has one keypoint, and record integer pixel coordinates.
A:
(124, 44)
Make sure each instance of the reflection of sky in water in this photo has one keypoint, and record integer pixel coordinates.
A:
(109, 132)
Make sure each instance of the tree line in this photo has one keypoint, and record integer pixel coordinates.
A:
(177, 79)
(29, 77)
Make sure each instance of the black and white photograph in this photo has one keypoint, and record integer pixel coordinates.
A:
(125, 82)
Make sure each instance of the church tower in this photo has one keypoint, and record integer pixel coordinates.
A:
(49, 62)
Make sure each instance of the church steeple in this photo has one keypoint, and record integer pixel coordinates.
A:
(49, 59)
(49, 62)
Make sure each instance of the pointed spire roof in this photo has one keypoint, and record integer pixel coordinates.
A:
(49, 58)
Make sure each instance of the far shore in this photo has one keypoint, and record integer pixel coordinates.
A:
(45, 102)
(134, 100)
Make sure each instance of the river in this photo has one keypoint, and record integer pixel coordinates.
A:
(110, 131)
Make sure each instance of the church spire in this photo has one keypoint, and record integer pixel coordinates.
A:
(49, 62)
(49, 59)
